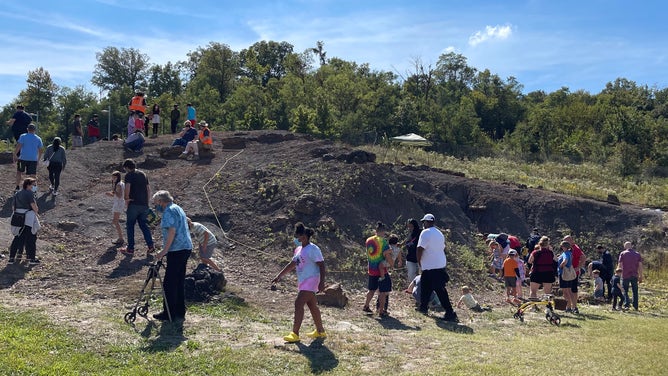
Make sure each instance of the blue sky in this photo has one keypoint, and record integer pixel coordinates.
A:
(544, 44)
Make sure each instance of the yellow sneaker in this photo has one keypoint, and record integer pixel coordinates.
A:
(291, 338)
(316, 334)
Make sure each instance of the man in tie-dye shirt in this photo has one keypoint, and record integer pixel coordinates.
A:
(377, 250)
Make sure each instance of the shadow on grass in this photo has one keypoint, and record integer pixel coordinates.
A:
(568, 324)
(454, 327)
(321, 358)
(389, 322)
(169, 337)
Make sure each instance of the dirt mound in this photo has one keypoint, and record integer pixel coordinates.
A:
(251, 192)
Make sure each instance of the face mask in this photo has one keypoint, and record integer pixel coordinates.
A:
(297, 242)
(158, 208)
(34, 188)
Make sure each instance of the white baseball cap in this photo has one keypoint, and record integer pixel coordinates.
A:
(428, 217)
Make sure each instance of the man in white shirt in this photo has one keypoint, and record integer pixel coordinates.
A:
(432, 261)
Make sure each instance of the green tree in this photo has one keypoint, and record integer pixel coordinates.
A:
(116, 68)
(164, 79)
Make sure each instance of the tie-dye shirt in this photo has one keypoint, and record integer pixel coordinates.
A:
(375, 247)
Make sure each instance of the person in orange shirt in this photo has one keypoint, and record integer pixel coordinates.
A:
(511, 272)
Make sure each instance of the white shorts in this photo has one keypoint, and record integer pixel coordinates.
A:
(118, 206)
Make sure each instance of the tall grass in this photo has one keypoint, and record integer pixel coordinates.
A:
(582, 180)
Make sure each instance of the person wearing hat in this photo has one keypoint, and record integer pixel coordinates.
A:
(174, 117)
(93, 128)
(188, 134)
(28, 151)
(56, 160)
(511, 272)
(432, 261)
(19, 122)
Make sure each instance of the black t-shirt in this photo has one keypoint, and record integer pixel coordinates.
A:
(175, 115)
(23, 199)
(21, 122)
(138, 182)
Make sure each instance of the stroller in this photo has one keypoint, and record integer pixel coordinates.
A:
(141, 307)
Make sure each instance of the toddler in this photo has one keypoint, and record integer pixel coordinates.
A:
(617, 290)
(511, 273)
(470, 302)
(118, 204)
(393, 240)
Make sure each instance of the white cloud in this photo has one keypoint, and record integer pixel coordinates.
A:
(491, 32)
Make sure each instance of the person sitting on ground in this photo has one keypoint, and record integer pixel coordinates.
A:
(187, 134)
(598, 286)
(414, 289)
(470, 302)
(206, 241)
(204, 142)
(135, 142)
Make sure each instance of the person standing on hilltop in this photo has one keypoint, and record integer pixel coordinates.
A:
(93, 129)
(77, 133)
(155, 120)
(19, 122)
(57, 159)
(174, 117)
(192, 114)
(137, 194)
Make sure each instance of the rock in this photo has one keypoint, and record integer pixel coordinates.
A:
(613, 199)
(333, 296)
(204, 283)
(234, 143)
(6, 158)
(170, 152)
(67, 225)
(306, 204)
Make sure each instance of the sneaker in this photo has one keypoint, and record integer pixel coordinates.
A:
(451, 317)
(183, 156)
(575, 311)
(568, 310)
(55, 193)
(11, 260)
(162, 316)
(316, 334)
(126, 251)
(34, 262)
(367, 309)
(291, 338)
(50, 188)
(118, 242)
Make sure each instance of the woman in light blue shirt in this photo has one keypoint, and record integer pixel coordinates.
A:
(177, 246)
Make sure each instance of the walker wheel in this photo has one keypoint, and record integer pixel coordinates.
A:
(143, 311)
(130, 317)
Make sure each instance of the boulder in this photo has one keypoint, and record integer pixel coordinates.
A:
(333, 296)
(204, 283)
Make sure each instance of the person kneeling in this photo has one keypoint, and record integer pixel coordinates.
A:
(135, 142)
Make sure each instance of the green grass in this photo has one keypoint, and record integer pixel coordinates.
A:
(581, 180)
(599, 342)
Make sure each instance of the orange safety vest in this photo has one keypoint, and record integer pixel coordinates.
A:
(137, 104)
(205, 139)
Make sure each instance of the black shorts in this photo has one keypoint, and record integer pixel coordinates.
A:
(383, 286)
(27, 167)
(510, 281)
(573, 285)
(542, 277)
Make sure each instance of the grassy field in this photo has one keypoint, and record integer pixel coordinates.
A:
(580, 180)
(244, 340)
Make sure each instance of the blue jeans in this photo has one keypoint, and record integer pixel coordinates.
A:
(634, 286)
(137, 213)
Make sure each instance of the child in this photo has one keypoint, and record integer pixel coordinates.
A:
(598, 286)
(118, 204)
(310, 266)
(511, 272)
(497, 263)
(522, 276)
(414, 289)
(206, 240)
(617, 290)
(470, 302)
(393, 240)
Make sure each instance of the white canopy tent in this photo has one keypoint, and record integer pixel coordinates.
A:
(411, 139)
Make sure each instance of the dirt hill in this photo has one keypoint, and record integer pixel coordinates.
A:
(256, 187)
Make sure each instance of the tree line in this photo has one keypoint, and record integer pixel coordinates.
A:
(464, 111)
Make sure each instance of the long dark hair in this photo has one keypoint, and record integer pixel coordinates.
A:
(118, 175)
(56, 144)
(416, 228)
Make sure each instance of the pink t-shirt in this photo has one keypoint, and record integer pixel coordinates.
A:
(308, 271)
(630, 261)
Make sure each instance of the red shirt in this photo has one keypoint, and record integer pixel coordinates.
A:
(577, 254)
